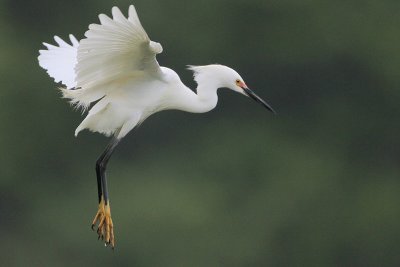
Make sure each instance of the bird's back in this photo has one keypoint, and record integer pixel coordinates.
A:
(128, 103)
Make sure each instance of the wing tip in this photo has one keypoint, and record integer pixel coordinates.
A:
(117, 14)
(61, 43)
(73, 40)
(132, 15)
(131, 10)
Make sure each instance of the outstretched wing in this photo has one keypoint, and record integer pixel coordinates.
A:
(114, 49)
(60, 61)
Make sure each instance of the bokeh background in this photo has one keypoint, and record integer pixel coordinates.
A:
(316, 185)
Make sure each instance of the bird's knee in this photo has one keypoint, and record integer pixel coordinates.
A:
(100, 166)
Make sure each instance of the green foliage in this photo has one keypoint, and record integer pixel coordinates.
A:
(316, 185)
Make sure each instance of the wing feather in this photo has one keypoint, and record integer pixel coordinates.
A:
(59, 61)
(115, 48)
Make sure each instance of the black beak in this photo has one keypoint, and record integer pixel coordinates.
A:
(258, 99)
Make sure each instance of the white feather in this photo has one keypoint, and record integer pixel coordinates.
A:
(59, 61)
(114, 49)
(115, 64)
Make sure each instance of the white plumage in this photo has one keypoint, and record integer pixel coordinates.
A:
(60, 61)
(116, 63)
(115, 68)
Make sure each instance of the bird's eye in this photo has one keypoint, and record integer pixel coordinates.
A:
(237, 82)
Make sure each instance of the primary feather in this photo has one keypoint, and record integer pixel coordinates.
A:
(114, 49)
(60, 61)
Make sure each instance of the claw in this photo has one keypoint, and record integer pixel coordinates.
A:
(105, 228)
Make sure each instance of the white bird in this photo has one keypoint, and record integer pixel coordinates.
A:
(114, 68)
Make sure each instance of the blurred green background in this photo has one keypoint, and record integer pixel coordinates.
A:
(316, 185)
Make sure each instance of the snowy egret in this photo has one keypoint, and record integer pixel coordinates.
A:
(114, 68)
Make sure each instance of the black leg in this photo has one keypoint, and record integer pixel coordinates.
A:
(101, 165)
(99, 186)
(103, 215)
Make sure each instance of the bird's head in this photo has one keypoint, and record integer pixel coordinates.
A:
(223, 76)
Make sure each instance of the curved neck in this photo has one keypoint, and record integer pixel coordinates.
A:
(205, 100)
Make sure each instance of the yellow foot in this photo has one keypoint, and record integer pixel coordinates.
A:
(105, 224)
